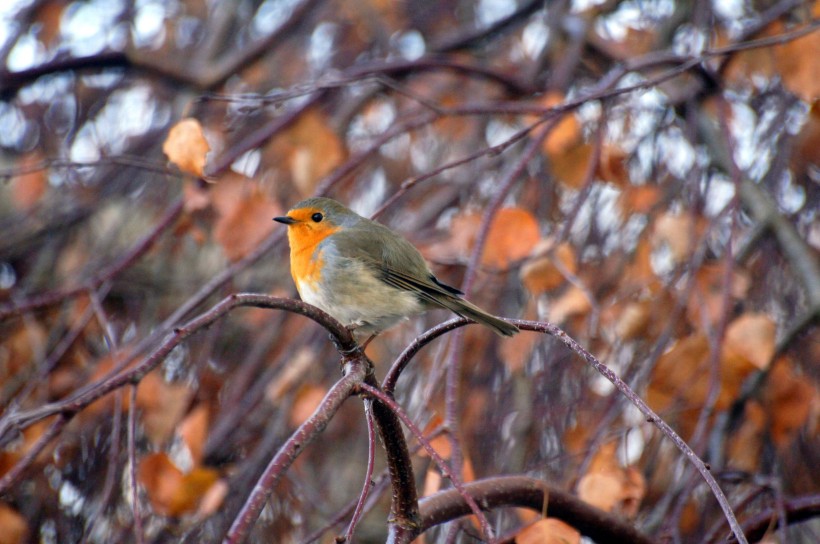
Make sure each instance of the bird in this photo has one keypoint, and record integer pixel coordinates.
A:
(365, 275)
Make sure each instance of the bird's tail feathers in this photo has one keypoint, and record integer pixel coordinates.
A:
(471, 311)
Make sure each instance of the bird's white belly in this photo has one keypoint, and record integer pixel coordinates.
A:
(361, 301)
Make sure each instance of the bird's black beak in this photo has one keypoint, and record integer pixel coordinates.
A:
(286, 220)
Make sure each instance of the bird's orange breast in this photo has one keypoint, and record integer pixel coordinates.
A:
(306, 261)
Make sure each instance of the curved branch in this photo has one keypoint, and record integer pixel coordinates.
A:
(797, 510)
(389, 382)
(651, 416)
(505, 491)
(127, 259)
(389, 404)
(355, 372)
(339, 334)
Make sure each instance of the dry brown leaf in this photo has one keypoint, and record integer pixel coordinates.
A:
(14, 526)
(291, 374)
(194, 431)
(601, 489)
(441, 444)
(306, 402)
(798, 62)
(677, 231)
(432, 482)
(541, 274)
(245, 213)
(638, 199)
(746, 444)
(634, 492)
(611, 487)
(570, 167)
(27, 189)
(49, 17)
(639, 272)
(807, 144)
(790, 401)
(517, 351)
(195, 197)
(574, 302)
(163, 406)
(682, 379)
(612, 167)
(634, 320)
(512, 236)
(213, 499)
(311, 149)
(566, 134)
(548, 531)
(187, 147)
(707, 305)
(171, 492)
(751, 337)
(681, 364)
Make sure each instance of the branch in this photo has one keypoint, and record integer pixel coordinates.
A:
(339, 334)
(391, 405)
(644, 408)
(355, 372)
(506, 491)
(127, 259)
(797, 510)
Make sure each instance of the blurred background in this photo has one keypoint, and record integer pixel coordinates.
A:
(642, 173)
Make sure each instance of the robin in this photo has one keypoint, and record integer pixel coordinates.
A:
(365, 275)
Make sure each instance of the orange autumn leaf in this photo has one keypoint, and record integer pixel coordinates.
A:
(566, 134)
(311, 149)
(291, 375)
(548, 270)
(516, 351)
(570, 167)
(743, 450)
(194, 431)
(432, 482)
(163, 406)
(28, 188)
(245, 213)
(797, 60)
(15, 528)
(441, 444)
(638, 199)
(171, 491)
(195, 197)
(213, 499)
(512, 236)
(790, 400)
(611, 487)
(187, 147)
(612, 166)
(678, 232)
(683, 377)
(751, 337)
(572, 303)
(306, 402)
(707, 304)
(634, 320)
(683, 363)
(806, 152)
(548, 531)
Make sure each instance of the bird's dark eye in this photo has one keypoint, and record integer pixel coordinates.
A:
(317, 217)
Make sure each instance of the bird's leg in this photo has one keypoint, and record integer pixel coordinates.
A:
(372, 336)
(352, 328)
